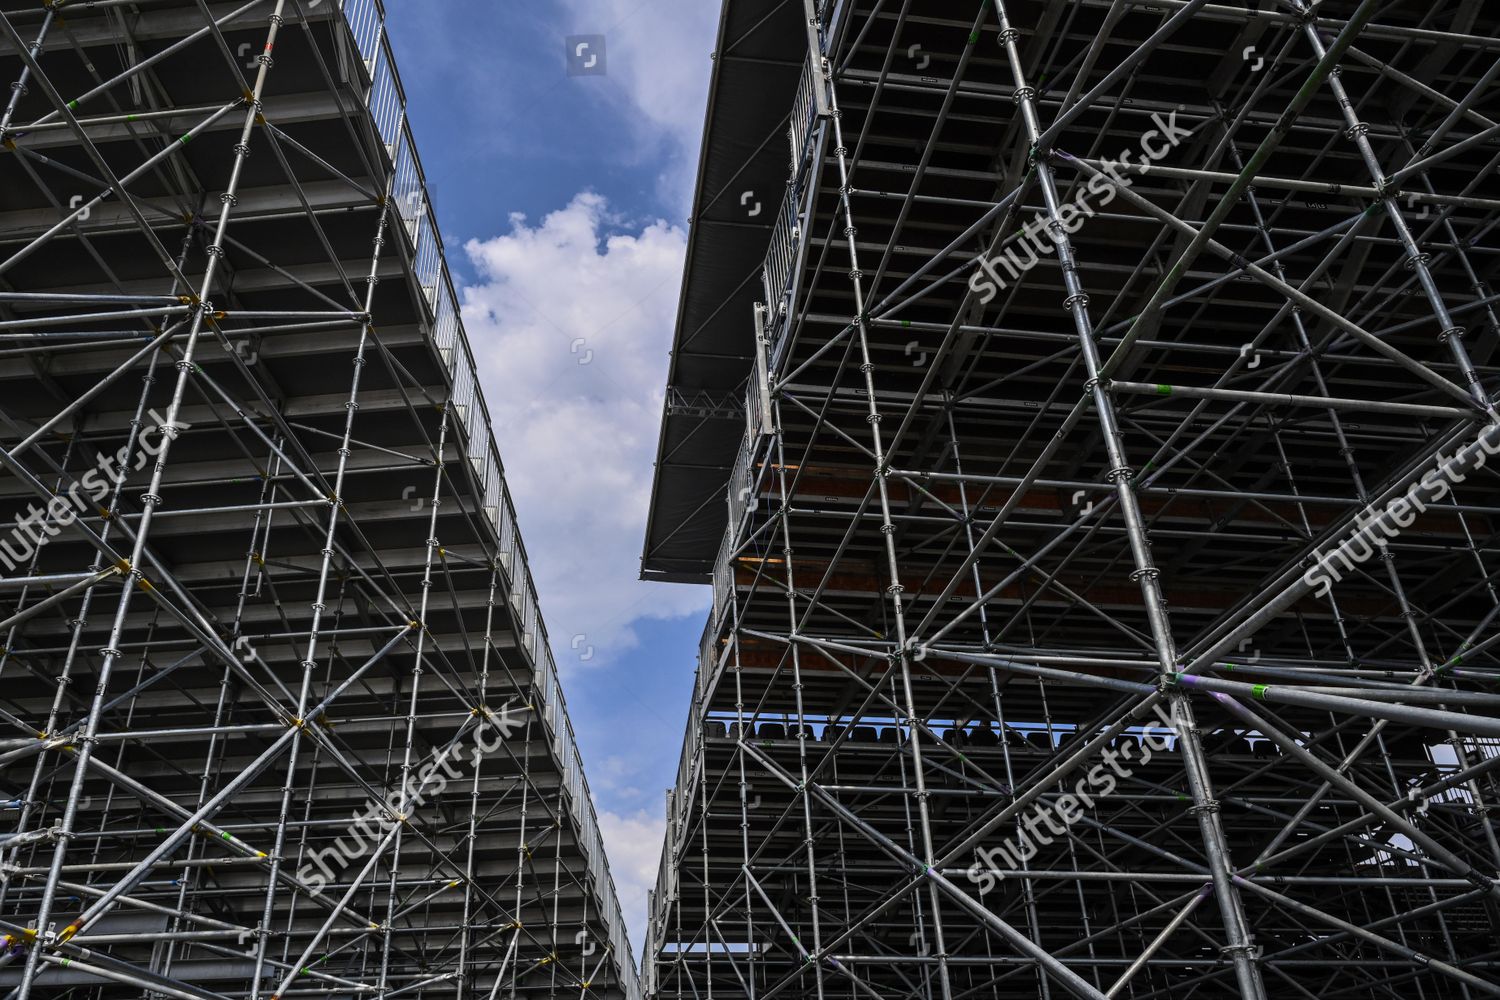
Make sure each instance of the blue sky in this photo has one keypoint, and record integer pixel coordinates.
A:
(563, 202)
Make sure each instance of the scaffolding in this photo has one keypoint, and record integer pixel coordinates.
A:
(1093, 466)
(281, 714)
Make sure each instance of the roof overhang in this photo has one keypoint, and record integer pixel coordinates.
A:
(742, 174)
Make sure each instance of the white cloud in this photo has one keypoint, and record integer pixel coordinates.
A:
(578, 440)
(657, 67)
(616, 776)
(571, 322)
(633, 844)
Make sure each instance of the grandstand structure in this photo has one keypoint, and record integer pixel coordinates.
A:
(278, 714)
(1084, 414)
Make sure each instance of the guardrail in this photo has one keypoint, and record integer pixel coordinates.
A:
(805, 111)
(740, 488)
(781, 256)
(708, 656)
(723, 579)
(386, 102)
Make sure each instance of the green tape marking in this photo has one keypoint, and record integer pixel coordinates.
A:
(1163, 390)
(1260, 691)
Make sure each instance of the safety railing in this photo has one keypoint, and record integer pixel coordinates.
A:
(708, 650)
(445, 327)
(520, 596)
(754, 412)
(385, 100)
(492, 503)
(508, 537)
(590, 839)
(406, 189)
(679, 806)
(708, 660)
(366, 20)
(788, 234)
(429, 263)
(386, 104)
(461, 400)
(781, 256)
(723, 580)
(740, 489)
(804, 114)
(810, 102)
